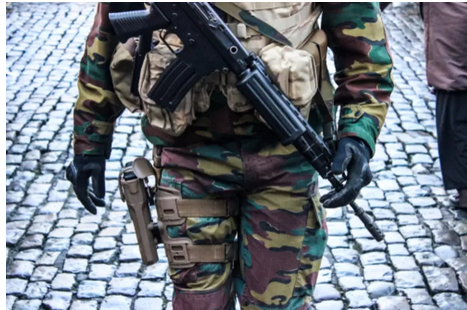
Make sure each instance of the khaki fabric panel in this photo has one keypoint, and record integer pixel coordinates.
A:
(296, 21)
(294, 70)
(121, 69)
(253, 6)
(271, 15)
(156, 61)
(299, 34)
(317, 45)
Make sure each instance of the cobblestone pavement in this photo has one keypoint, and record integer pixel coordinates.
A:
(60, 257)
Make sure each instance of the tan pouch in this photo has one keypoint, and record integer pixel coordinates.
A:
(294, 71)
(317, 46)
(121, 69)
(197, 99)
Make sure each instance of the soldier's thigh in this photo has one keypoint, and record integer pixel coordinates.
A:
(205, 285)
(282, 233)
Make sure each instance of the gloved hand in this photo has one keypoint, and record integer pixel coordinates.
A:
(78, 173)
(353, 155)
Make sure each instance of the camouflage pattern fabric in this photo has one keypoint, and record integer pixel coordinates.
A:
(281, 227)
(363, 62)
(282, 233)
(356, 36)
(97, 106)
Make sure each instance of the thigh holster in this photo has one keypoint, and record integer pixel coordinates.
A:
(172, 210)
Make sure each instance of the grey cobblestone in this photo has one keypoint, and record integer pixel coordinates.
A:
(84, 305)
(36, 290)
(60, 257)
(92, 289)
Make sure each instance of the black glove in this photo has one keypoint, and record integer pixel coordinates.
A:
(353, 155)
(78, 173)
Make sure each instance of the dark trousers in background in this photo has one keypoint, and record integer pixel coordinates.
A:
(451, 122)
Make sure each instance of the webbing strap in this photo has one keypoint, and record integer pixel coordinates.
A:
(300, 36)
(206, 208)
(218, 253)
(172, 208)
(269, 5)
(290, 21)
(264, 28)
(181, 253)
(322, 107)
(328, 122)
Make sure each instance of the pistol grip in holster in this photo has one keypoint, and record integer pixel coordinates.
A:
(135, 191)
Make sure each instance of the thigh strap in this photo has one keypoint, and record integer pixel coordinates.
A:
(173, 210)
(181, 253)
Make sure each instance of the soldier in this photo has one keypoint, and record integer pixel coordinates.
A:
(227, 154)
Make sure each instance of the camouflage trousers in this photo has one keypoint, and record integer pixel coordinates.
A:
(281, 227)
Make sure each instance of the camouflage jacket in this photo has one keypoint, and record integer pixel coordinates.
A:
(356, 36)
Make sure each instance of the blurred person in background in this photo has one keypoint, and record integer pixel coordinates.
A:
(446, 66)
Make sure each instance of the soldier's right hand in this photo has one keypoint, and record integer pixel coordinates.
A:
(78, 173)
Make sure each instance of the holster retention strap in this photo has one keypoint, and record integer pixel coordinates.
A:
(181, 253)
(174, 208)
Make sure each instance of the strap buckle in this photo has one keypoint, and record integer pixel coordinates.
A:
(177, 253)
(167, 208)
(181, 253)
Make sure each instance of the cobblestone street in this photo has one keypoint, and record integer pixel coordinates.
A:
(61, 257)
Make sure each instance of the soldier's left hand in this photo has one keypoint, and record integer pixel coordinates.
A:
(353, 156)
(80, 170)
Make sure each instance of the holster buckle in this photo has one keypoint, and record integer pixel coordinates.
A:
(177, 253)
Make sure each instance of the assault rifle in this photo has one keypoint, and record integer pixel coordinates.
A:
(209, 45)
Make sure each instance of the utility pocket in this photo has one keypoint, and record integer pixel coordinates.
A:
(121, 69)
(295, 72)
(172, 123)
(314, 245)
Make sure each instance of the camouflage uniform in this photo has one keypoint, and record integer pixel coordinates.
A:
(281, 227)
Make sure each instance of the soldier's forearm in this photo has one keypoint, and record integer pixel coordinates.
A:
(363, 67)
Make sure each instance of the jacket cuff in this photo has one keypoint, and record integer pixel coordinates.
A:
(362, 127)
(93, 138)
